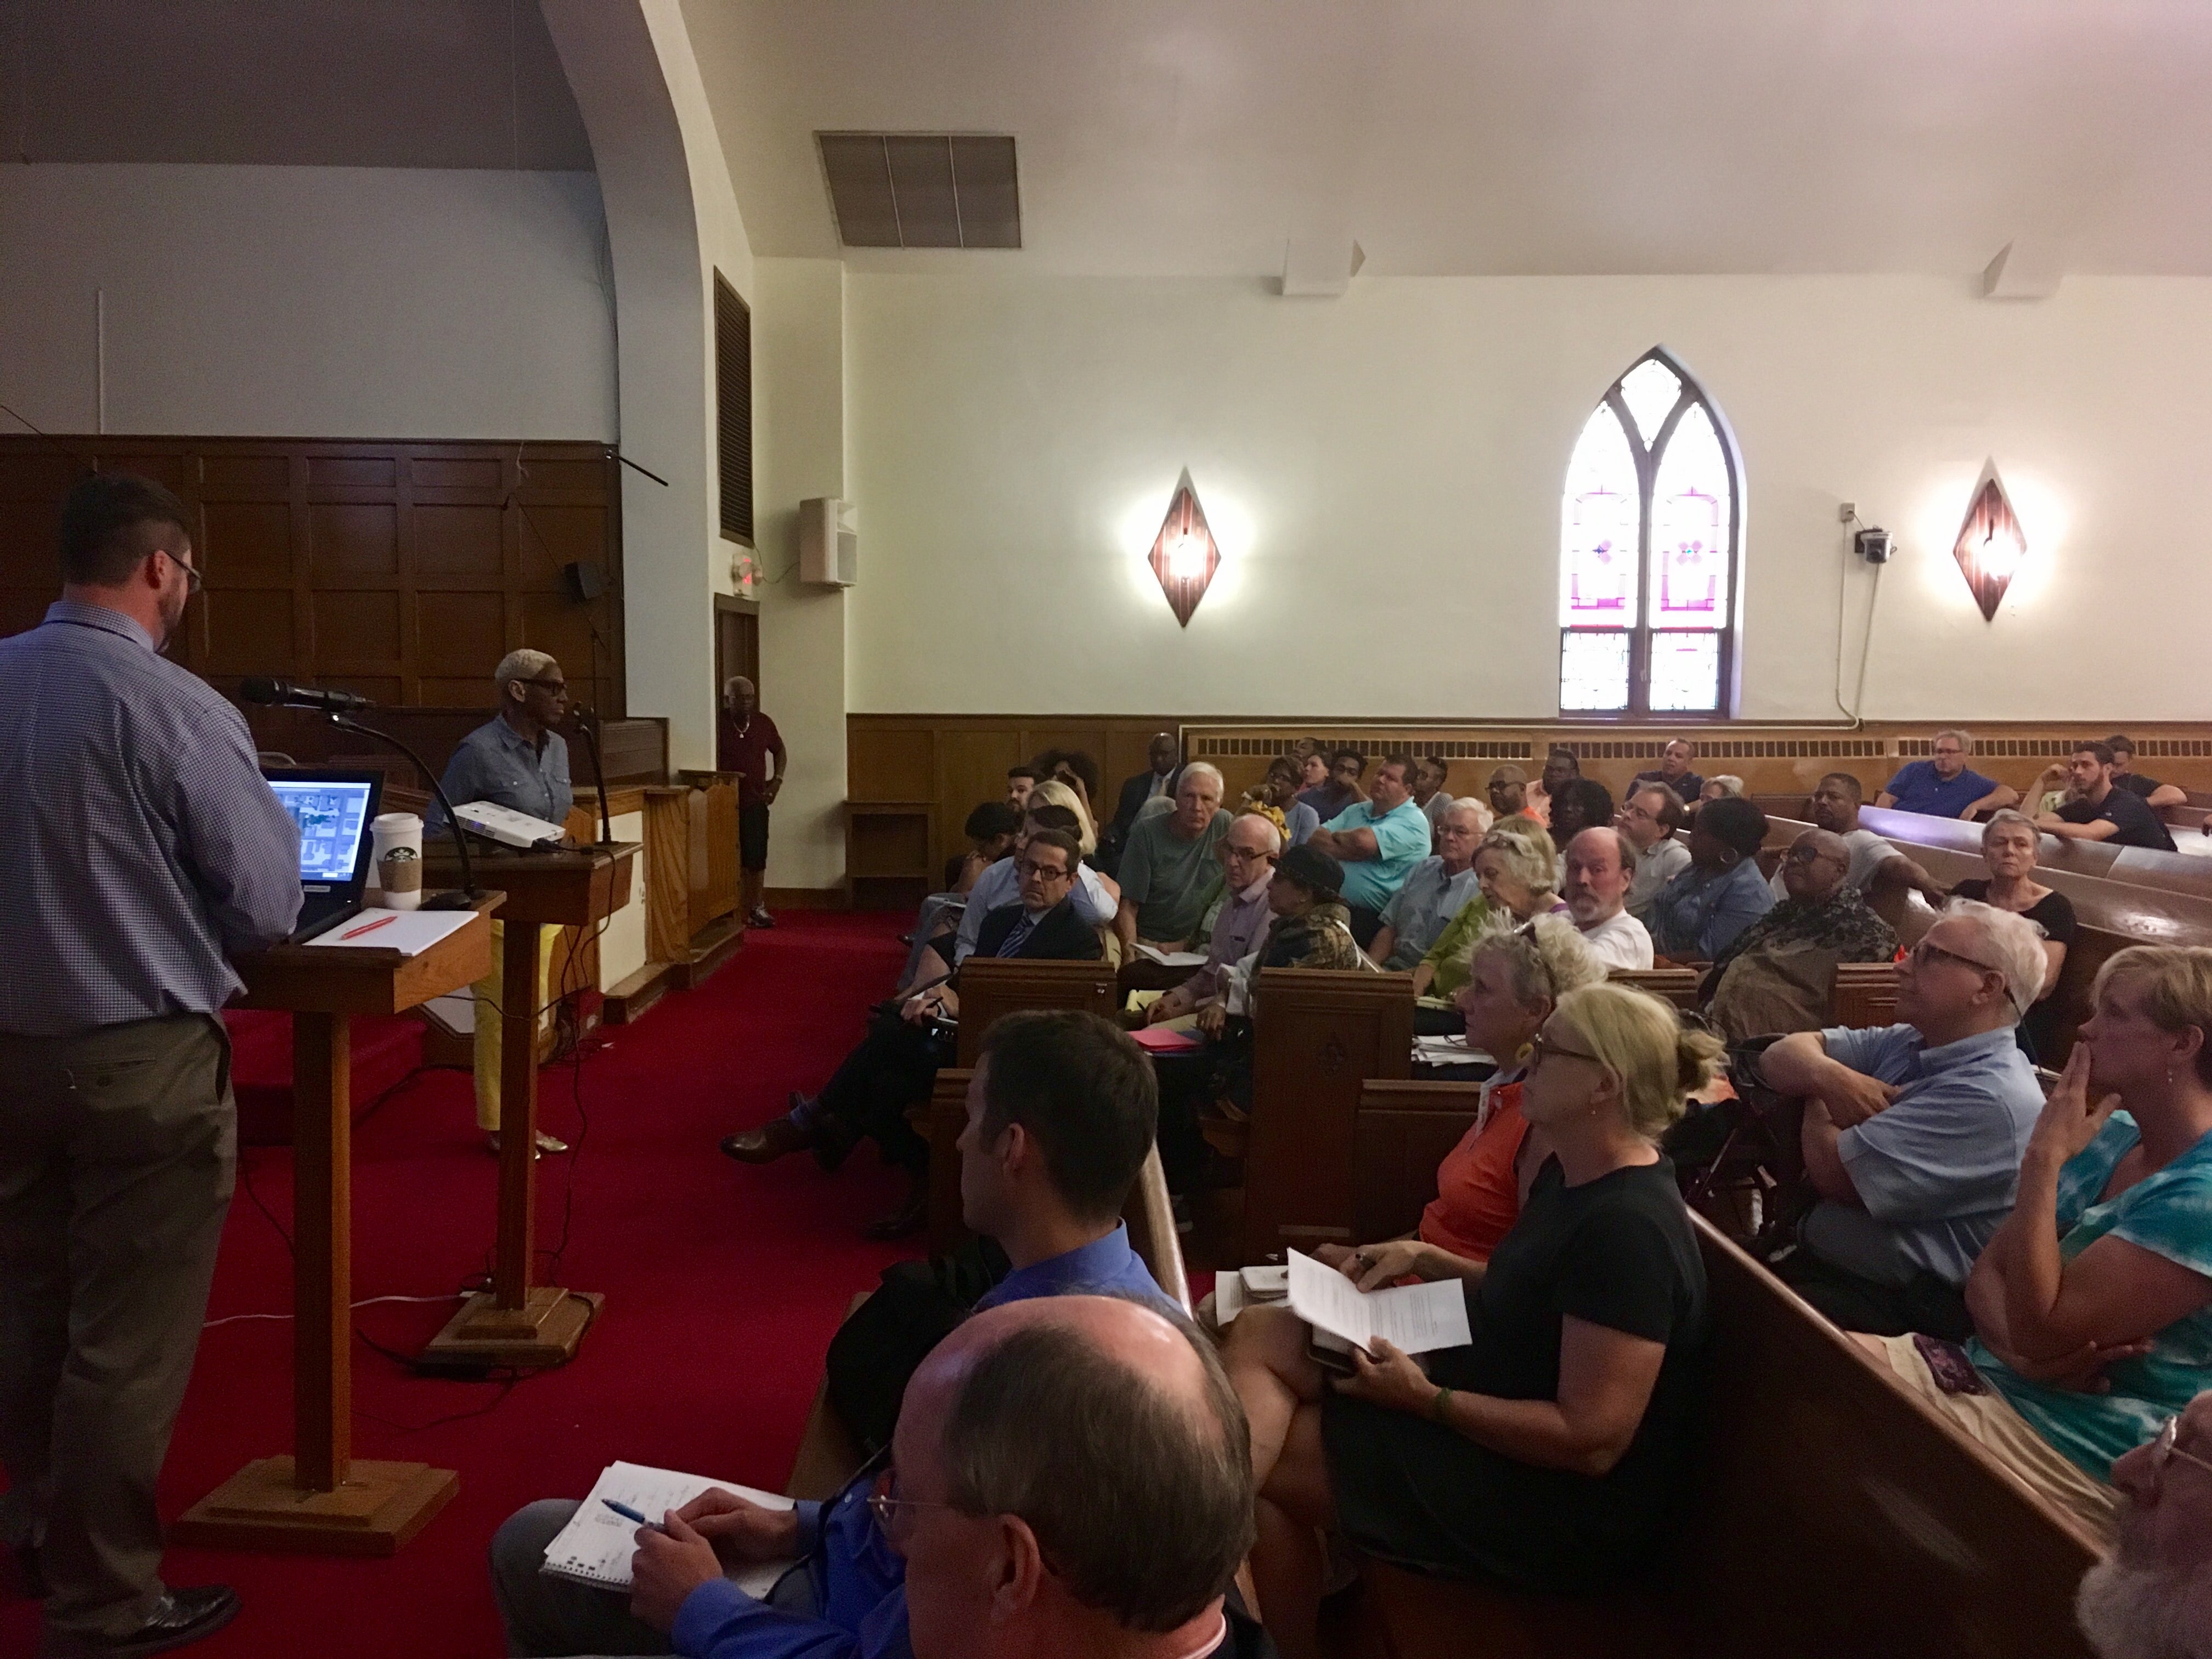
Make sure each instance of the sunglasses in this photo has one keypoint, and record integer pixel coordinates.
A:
(1540, 1046)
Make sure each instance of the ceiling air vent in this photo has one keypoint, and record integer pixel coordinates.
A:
(922, 190)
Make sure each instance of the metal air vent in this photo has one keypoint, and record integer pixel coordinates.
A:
(922, 190)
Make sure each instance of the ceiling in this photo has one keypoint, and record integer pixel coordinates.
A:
(1503, 137)
(392, 83)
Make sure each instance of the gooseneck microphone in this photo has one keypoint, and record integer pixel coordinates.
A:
(587, 722)
(283, 694)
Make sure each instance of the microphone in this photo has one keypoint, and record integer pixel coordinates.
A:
(587, 723)
(283, 693)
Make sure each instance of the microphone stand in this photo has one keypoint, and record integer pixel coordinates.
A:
(470, 892)
(587, 722)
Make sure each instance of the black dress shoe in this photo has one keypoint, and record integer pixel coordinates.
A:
(908, 1218)
(777, 1138)
(181, 1617)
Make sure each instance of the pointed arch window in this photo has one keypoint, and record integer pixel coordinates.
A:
(1651, 539)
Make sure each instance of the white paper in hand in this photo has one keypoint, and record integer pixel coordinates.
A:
(596, 1546)
(1412, 1318)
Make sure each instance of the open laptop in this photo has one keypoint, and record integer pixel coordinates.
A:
(333, 810)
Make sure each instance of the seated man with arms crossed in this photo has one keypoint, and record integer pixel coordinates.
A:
(1944, 788)
(1834, 807)
(2098, 809)
(1170, 874)
(1779, 974)
(1599, 864)
(1649, 817)
(1913, 1134)
(2155, 794)
(1674, 772)
(1060, 1118)
(1435, 891)
(1376, 841)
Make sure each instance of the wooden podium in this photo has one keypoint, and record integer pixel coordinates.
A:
(516, 1323)
(320, 1498)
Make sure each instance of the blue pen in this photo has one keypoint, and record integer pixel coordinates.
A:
(629, 1514)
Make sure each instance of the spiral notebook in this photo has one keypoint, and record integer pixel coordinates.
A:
(596, 1546)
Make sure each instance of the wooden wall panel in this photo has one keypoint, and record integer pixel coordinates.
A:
(403, 571)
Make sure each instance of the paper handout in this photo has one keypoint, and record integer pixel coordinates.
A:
(1414, 1318)
(596, 1545)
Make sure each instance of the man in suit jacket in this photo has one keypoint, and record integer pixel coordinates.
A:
(895, 1064)
(1158, 780)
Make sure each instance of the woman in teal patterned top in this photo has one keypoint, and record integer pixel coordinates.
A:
(2094, 1302)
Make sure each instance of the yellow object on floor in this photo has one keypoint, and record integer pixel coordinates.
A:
(487, 1033)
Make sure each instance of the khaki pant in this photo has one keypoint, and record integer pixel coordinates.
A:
(117, 1150)
(488, 1032)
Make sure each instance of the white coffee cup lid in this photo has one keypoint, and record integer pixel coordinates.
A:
(396, 823)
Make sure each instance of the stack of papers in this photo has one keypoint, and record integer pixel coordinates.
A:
(1414, 1318)
(1446, 1051)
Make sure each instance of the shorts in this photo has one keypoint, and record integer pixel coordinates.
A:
(753, 836)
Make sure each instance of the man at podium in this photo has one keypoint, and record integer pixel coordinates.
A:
(142, 845)
(515, 759)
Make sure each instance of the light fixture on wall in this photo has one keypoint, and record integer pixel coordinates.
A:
(1990, 546)
(1184, 555)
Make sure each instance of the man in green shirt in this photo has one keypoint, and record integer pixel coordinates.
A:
(1170, 873)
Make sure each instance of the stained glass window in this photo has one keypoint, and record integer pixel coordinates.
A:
(1651, 524)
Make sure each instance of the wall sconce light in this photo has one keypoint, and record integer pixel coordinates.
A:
(1184, 556)
(1990, 546)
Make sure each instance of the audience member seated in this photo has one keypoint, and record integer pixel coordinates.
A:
(1599, 863)
(2156, 795)
(1674, 774)
(1339, 788)
(1547, 1452)
(992, 830)
(1561, 766)
(895, 1064)
(1248, 854)
(1779, 974)
(1516, 976)
(1378, 840)
(1698, 915)
(1834, 806)
(1096, 897)
(1020, 779)
(1277, 794)
(1060, 1119)
(1157, 781)
(2009, 844)
(1581, 804)
(1436, 890)
(1170, 874)
(1722, 786)
(1060, 791)
(1913, 1133)
(2091, 1304)
(1508, 789)
(1649, 817)
(2151, 1598)
(1515, 874)
(1432, 773)
(2097, 809)
(1943, 787)
(1312, 756)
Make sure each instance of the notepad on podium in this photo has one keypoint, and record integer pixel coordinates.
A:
(596, 1546)
(410, 932)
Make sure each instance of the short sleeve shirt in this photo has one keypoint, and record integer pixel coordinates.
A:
(1172, 881)
(1686, 788)
(1418, 912)
(2168, 1213)
(747, 751)
(1401, 841)
(2136, 784)
(1917, 788)
(2138, 826)
(1938, 1168)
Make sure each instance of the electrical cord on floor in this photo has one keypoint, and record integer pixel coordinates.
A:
(577, 1055)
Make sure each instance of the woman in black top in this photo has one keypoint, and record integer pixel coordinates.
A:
(1542, 1453)
(2010, 841)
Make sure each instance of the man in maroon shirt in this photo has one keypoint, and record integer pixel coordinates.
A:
(745, 739)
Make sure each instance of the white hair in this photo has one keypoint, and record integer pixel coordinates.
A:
(1731, 786)
(1478, 810)
(1272, 838)
(523, 664)
(1203, 768)
(1965, 738)
(2015, 948)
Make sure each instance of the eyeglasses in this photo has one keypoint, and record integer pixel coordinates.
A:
(887, 1508)
(1032, 867)
(1811, 855)
(1541, 1046)
(192, 579)
(1926, 951)
(2163, 1448)
(558, 688)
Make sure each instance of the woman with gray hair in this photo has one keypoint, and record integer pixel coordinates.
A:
(2010, 841)
(1516, 873)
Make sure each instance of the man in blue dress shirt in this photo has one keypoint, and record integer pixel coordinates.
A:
(1062, 1111)
(142, 847)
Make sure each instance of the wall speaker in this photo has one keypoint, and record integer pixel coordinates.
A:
(585, 582)
(829, 542)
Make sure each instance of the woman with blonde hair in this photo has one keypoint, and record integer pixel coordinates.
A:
(1059, 793)
(1545, 1452)
(1516, 873)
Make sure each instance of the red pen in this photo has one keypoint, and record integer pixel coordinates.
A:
(369, 927)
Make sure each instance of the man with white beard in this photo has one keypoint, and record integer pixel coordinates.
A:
(2152, 1597)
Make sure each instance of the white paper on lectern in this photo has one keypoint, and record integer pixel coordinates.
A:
(410, 932)
(1414, 1318)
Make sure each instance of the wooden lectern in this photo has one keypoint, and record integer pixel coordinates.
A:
(320, 1498)
(515, 1322)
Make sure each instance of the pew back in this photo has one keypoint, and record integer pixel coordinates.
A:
(992, 986)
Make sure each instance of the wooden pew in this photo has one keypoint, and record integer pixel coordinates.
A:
(1830, 1514)
(1319, 1036)
(992, 986)
(2132, 866)
(1865, 993)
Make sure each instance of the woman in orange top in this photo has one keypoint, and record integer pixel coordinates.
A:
(1516, 975)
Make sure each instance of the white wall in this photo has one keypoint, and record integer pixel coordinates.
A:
(342, 302)
(1384, 470)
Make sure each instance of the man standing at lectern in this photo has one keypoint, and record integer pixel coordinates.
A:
(141, 845)
(744, 743)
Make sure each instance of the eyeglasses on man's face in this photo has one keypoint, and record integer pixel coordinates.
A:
(2164, 1449)
(1029, 867)
(894, 1514)
(192, 578)
(1921, 955)
(552, 688)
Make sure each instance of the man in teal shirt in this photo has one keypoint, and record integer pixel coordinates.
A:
(1376, 841)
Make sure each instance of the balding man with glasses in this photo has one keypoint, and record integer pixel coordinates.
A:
(1913, 1134)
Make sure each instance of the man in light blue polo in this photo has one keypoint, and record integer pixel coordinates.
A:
(1378, 841)
(1913, 1134)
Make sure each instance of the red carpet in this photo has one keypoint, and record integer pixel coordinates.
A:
(723, 1283)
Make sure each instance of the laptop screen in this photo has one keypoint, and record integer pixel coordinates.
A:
(333, 817)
